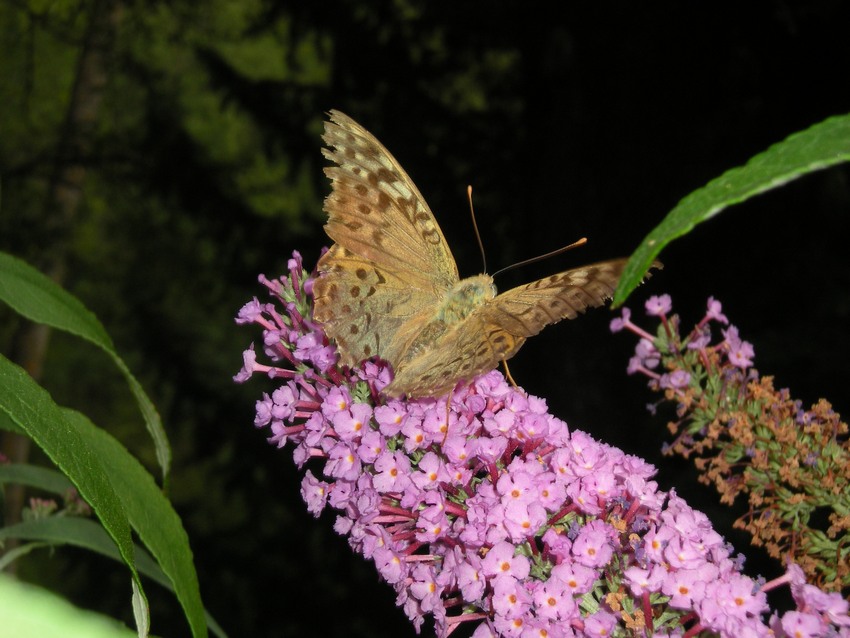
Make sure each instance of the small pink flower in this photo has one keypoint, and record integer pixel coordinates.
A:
(684, 586)
(801, 625)
(592, 547)
(620, 322)
(658, 305)
(315, 493)
(500, 561)
(510, 600)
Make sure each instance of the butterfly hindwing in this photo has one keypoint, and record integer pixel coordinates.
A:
(472, 348)
(366, 309)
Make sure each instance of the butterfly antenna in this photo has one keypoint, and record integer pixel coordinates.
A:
(563, 249)
(475, 226)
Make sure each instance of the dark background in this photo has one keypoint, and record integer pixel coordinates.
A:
(198, 145)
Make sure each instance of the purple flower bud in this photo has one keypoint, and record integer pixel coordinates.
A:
(715, 311)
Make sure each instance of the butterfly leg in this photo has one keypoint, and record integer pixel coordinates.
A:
(508, 374)
(448, 409)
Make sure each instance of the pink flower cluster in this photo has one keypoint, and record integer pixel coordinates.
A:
(498, 514)
(739, 353)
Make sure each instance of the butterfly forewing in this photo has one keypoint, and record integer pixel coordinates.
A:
(375, 210)
(391, 265)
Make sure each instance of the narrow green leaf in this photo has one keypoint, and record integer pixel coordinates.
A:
(40, 299)
(151, 515)
(820, 146)
(85, 533)
(18, 552)
(41, 478)
(32, 409)
(110, 479)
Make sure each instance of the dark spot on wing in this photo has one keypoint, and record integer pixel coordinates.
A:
(386, 175)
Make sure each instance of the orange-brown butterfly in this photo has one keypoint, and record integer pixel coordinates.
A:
(389, 286)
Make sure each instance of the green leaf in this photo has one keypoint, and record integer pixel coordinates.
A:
(40, 299)
(85, 533)
(11, 555)
(61, 438)
(151, 515)
(110, 479)
(820, 146)
(41, 478)
(31, 612)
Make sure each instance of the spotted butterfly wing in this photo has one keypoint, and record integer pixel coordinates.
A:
(390, 264)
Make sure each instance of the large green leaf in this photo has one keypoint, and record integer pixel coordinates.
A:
(151, 516)
(83, 532)
(820, 146)
(41, 300)
(30, 407)
(30, 612)
(110, 479)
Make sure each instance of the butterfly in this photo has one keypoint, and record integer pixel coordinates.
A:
(389, 287)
